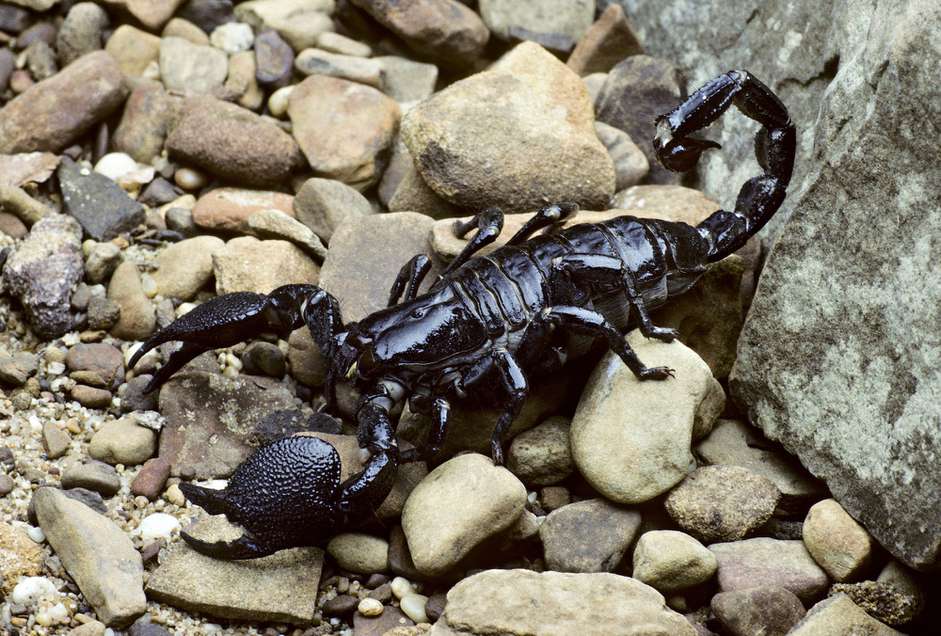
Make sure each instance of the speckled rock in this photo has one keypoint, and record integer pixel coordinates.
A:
(274, 224)
(138, 318)
(274, 60)
(308, 366)
(185, 267)
(91, 475)
(757, 562)
(16, 369)
(98, 556)
(406, 80)
(541, 456)
(97, 364)
(588, 536)
(555, 24)
(148, 115)
(668, 560)
(885, 601)
(769, 611)
(42, 271)
(80, 32)
(323, 204)
(134, 50)
(356, 69)
(247, 264)
(102, 207)
(556, 604)
(606, 42)
(191, 68)
(526, 120)
(618, 448)
(837, 616)
(458, 505)
(123, 441)
(837, 542)
(359, 553)
(20, 556)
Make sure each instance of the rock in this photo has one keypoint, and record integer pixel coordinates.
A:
(274, 224)
(232, 37)
(148, 116)
(233, 143)
(836, 541)
(307, 364)
(20, 557)
(93, 86)
(555, 24)
(92, 475)
(7, 66)
(185, 267)
(153, 14)
(637, 91)
(102, 207)
(28, 167)
(359, 553)
(541, 456)
(668, 561)
(444, 30)
(406, 478)
(884, 601)
(323, 204)
(263, 358)
(228, 209)
(241, 83)
(274, 60)
(191, 68)
(390, 620)
(123, 441)
(157, 526)
(81, 32)
(757, 562)
(207, 14)
(42, 271)
(588, 536)
(606, 42)
(340, 605)
(556, 604)
(138, 318)
(405, 80)
(412, 194)
(55, 441)
(722, 503)
(458, 505)
(41, 61)
(97, 555)
(13, 19)
(838, 615)
(616, 447)
(122, 169)
(6, 485)
(344, 128)
(200, 407)
(356, 69)
(630, 164)
(180, 28)
(101, 261)
(97, 364)
(151, 479)
(91, 397)
(280, 588)
(16, 201)
(134, 50)
(857, 409)
(16, 369)
(336, 43)
(389, 240)
(466, 139)
(103, 313)
(770, 611)
(300, 22)
(247, 264)
(33, 589)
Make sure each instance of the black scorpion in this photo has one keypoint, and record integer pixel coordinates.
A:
(499, 316)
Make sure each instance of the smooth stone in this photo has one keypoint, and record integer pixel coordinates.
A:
(837, 616)
(336, 43)
(189, 68)
(98, 556)
(91, 475)
(80, 32)
(761, 561)
(153, 14)
(344, 128)
(722, 503)
(556, 604)
(324, 204)
(588, 536)
(157, 525)
(228, 209)
(186, 267)
(233, 143)
(138, 318)
(90, 396)
(299, 22)
(180, 28)
(55, 441)
(400, 164)
(557, 24)
(355, 69)
(274, 60)
(123, 441)
(240, 84)
(308, 365)
(668, 560)
(465, 139)
(388, 622)
(151, 478)
(16, 369)
(134, 50)
(102, 207)
(232, 37)
(769, 611)
(359, 553)
(247, 264)
(836, 541)
(459, 504)
(541, 456)
(263, 358)
(149, 114)
(622, 453)
(412, 194)
(281, 588)
(607, 41)
(630, 163)
(274, 224)
(101, 261)
(406, 80)
(101, 364)
(42, 271)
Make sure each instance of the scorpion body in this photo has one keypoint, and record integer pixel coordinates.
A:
(487, 320)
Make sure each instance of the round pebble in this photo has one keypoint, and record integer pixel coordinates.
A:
(31, 589)
(369, 607)
(401, 587)
(158, 525)
(413, 606)
(232, 37)
(189, 179)
(115, 165)
(278, 102)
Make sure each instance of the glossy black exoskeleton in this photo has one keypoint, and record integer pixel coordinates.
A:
(496, 316)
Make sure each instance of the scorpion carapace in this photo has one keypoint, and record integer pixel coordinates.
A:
(498, 317)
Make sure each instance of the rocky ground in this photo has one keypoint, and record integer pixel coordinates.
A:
(154, 154)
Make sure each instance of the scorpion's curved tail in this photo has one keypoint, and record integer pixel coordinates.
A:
(775, 144)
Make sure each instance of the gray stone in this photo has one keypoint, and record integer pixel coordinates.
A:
(274, 224)
(668, 561)
(41, 60)
(102, 207)
(123, 441)
(149, 114)
(97, 554)
(91, 475)
(556, 604)
(838, 616)
(412, 194)
(206, 14)
(81, 31)
(100, 262)
(588, 536)
(274, 60)
(541, 456)
(42, 271)
(13, 19)
(90, 396)
(761, 611)
(16, 369)
(757, 562)
(630, 163)
(7, 65)
(559, 22)
(55, 441)
(263, 358)
(883, 600)
(153, 13)
(359, 553)
(406, 80)
(191, 68)
(133, 49)
(336, 43)
(96, 363)
(138, 318)
(324, 204)
(356, 69)
(858, 408)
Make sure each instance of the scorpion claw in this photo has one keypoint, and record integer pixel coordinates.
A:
(245, 547)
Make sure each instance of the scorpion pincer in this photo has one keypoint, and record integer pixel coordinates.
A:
(488, 320)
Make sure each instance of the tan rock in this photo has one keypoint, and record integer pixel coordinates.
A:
(606, 42)
(323, 204)
(668, 560)
(180, 28)
(838, 616)
(762, 561)
(838, 543)
(19, 556)
(137, 318)
(133, 49)
(184, 268)
(359, 553)
(247, 264)
(228, 209)
(153, 14)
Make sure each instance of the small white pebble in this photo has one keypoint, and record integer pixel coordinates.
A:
(184, 309)
(36, 534)
(233, 360)
(175, 496)
(189, 179)
(115, 165)
(149, 285)
(55, 368)
(413, 606)
(157, 526)
(401, 587)
(31, 589)
(232, 37)
(278, 102)
(369, 607)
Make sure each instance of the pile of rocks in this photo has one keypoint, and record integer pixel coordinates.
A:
(156, 154)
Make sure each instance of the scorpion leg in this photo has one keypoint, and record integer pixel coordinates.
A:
(549, 215)
(409, 279)
(592, 323)
(517, 388)
(440, 411)
(489, 224)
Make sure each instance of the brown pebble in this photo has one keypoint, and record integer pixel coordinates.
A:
(434, 608)
(375, 580)
(6, 485)
(151, 478)
(150, 551)
(340, 605)
(383, 593)
(91, 397)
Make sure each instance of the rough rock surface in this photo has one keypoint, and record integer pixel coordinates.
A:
(837, 616)
(323, 204)
(138, 318)
(516, 135)
(769, 611)
(185, 267)
(97, 202)
(541, 456)
(228, 209)
(245, 264)
(191, 68)
(669, 560)
(631, 439)
(588, 536)
(556, 604)
(606, 42)
(148, 115)
(555, 24)
(761, 561)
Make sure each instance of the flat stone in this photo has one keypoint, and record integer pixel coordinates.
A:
(541, 456)
(555, 24)
(233, 143)
(668, 560)
(228, 209)
(138, 318)
(186, 267)
(274, 224)
(189, 68)
(91, 475)
(337, 43)
(459, 504)
(630, 163)
(42, 271)
(769, 611)
(101, 364)
(134, 50)
(81, 31)
(247, 264)
(149, 114)
(344, 128)
(588, 536)
(388, 622)
(838, 615)
(623, 453)
(412, 194)
(605, 43)
(836, 541)
(90, 396)
(299, 22)
(280, 588)
(123, 441)
(757, 562)
(211, 420)
(97, 554)
(102, 207)
(556, 604)
(355, 69)
(324, 204)
(359, 553)
(27, 167)
(20, 557)
(406, 80)
(466, 140)
(241, 85)
(55, 441)
(16, 369)
(722, 503)
(308, 366)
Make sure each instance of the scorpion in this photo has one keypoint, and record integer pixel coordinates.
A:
(493, 320)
